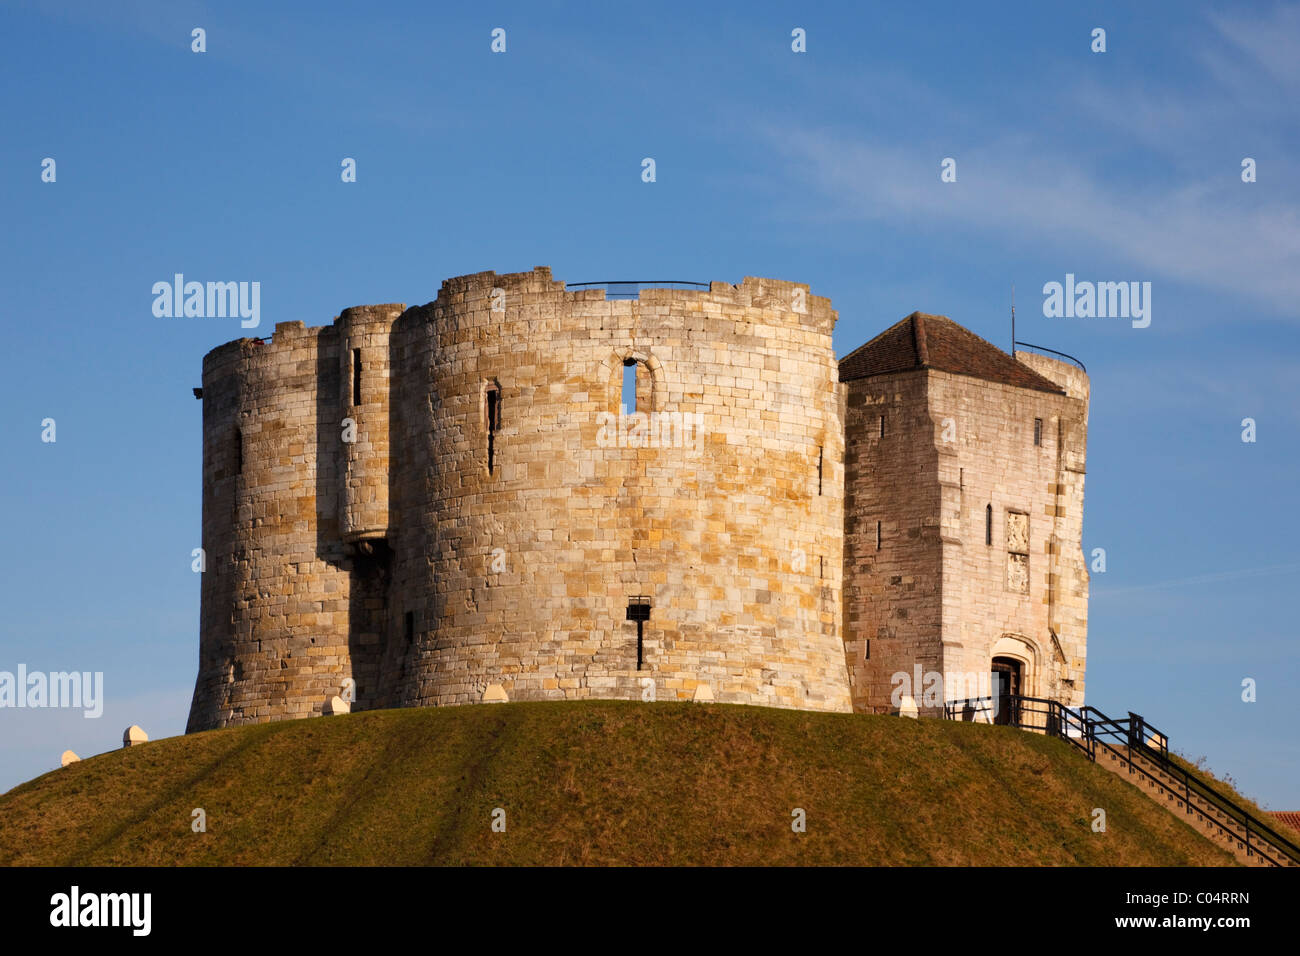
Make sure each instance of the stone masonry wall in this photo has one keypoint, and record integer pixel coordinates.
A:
(892, 616)
(494, 516)
(533, 564)
(402, 561)
(996, 602)
(364, 374)
(940, 593)
(275, 593)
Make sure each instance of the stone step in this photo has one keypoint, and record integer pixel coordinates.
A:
(1218, 826)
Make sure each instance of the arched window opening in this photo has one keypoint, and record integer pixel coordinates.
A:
(629, 386)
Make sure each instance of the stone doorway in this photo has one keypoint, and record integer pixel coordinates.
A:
(1006, 684)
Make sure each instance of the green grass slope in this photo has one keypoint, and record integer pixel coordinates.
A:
(609, 782)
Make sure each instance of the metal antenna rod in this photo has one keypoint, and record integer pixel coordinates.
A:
(1013, 320)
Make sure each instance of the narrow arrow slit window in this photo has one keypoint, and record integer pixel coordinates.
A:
(493, 398)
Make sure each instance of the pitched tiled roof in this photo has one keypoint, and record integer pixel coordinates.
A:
(937, 342)
(1289, 817)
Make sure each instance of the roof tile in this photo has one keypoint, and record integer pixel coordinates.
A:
(937, 342)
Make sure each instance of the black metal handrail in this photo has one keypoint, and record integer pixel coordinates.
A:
(1088, 728)
(1044, 348)
(1224, 805)
(631, 288)
(1192, 783)
(1026, 713)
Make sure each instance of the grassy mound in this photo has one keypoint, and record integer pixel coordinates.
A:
(610, 782)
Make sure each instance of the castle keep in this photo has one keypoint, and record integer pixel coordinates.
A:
(409, 506)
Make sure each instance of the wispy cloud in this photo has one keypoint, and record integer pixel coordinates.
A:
(1214, 577)
(1266, 43)
(1202, 227)
(1223, 388)
(1194, 232)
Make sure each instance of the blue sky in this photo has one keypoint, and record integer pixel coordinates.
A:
(821, 167)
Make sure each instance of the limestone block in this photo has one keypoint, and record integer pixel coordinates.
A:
(67, 758)
(133, 736)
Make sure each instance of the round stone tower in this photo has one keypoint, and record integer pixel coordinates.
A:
(501, 519)
(274, 640)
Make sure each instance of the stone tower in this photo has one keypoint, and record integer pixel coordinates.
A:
(566, 496)
(414, 504)
(964, 517)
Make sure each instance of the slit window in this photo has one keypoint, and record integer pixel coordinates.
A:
(493, 399)
(877, 535)
(356, 376)
(409, 627)
(988, 525)
(820, 453)
(629, 386)
(882, 426)
(1038, 431)
(638, 609)
(239, 452)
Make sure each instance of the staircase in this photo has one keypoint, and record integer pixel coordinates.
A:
(1139, 752)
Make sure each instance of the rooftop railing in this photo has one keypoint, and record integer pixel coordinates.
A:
(631, 288)
(1043, 348)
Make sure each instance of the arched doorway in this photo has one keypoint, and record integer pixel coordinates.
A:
(1006, 685)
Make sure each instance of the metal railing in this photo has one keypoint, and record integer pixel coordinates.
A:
(1089, 729)
(1025, 713)
(1044, 348)
(631, 288)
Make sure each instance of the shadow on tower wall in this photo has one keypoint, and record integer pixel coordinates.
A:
(407, 460)
(366, 601)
